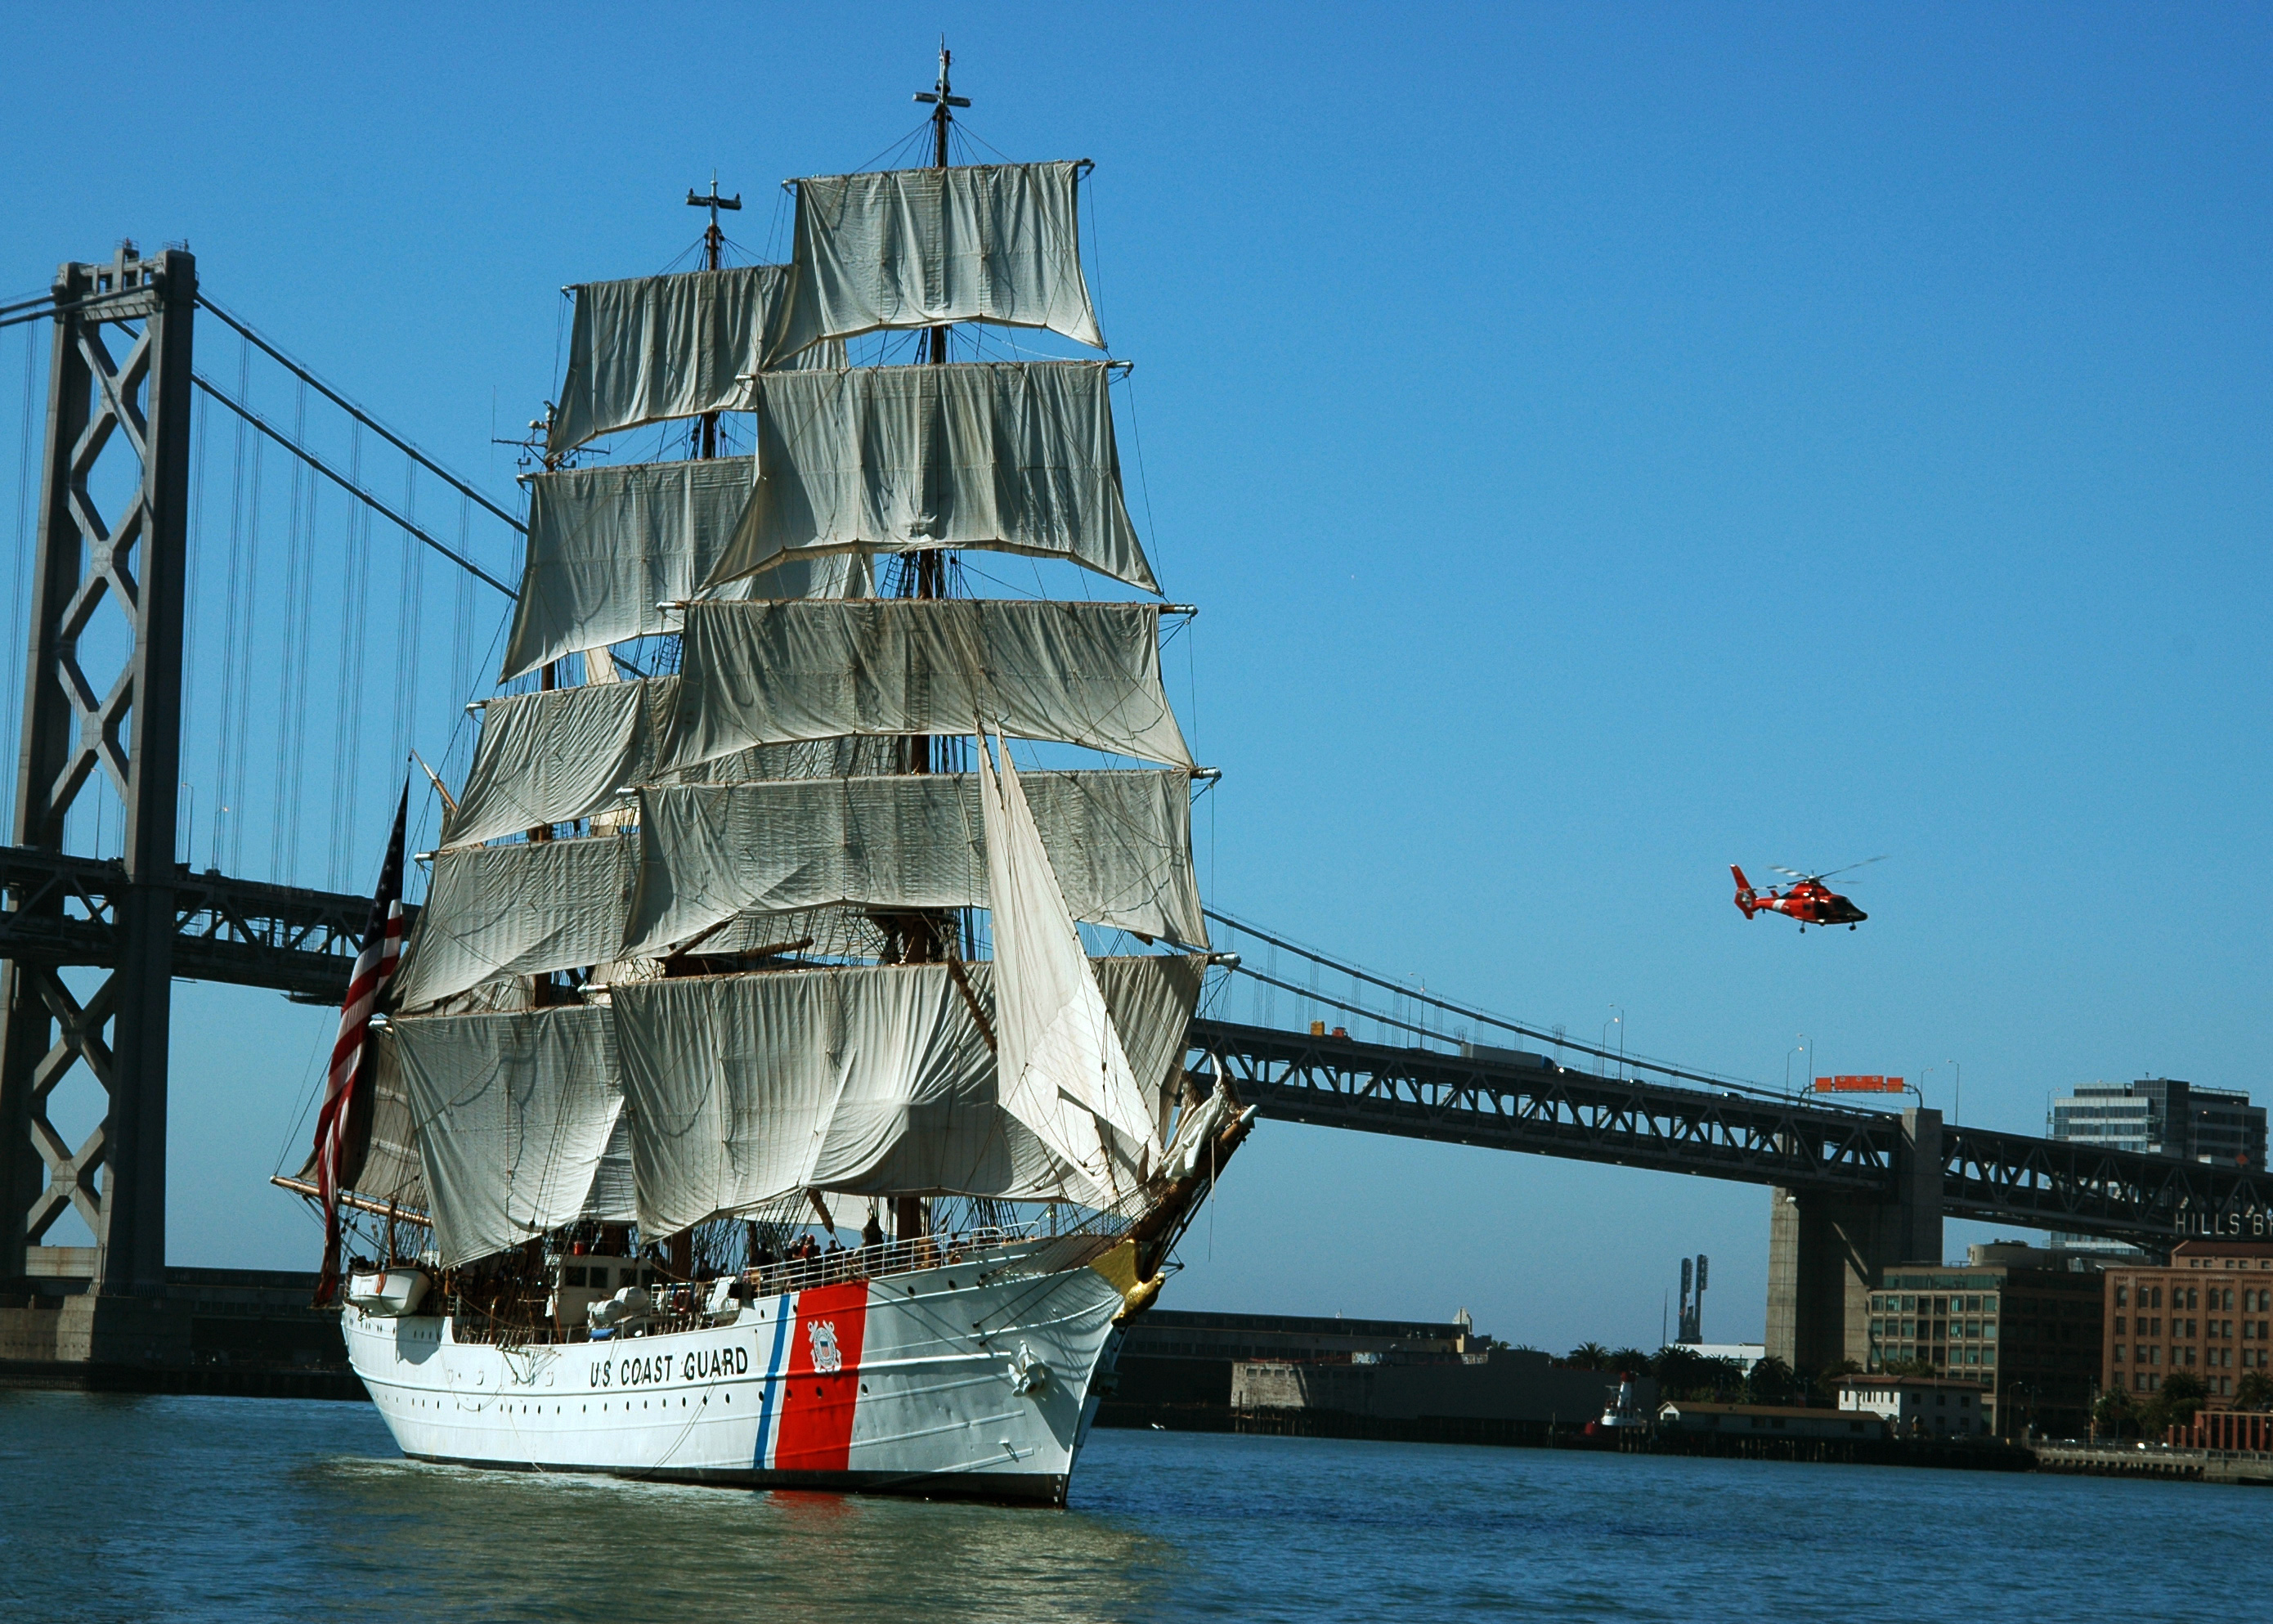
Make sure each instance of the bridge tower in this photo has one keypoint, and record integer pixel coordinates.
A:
(127, 568)
(1825, 1249)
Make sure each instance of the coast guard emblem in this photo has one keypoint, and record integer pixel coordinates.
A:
(823, 1338)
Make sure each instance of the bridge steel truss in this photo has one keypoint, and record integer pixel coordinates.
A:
(97, 571)
(1995, 1178)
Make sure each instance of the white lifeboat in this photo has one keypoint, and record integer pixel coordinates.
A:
(389, 1293)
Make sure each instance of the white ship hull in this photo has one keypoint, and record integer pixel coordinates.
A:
(930, 1383)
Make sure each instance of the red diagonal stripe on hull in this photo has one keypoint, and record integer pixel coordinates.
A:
(817, 1403)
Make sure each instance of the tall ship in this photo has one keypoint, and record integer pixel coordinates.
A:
(780, 1084)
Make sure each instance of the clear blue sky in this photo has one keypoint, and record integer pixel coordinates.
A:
(1606, 444)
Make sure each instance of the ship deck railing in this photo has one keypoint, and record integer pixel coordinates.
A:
(683, 1305)
(913, 1256)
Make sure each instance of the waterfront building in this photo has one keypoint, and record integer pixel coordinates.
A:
(2209, 1312)
(1767, 1421)
(1175, 1364)
(1920, 1406)
(1514, 1387)
(2030, 1336)
(1743, 1356)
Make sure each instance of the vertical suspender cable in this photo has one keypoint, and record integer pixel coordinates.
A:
(185, 797)
(347, 765)
(408, 606)
(243, 699)
(299, 717)
(292, 683)
(233, 610)
(462, 635)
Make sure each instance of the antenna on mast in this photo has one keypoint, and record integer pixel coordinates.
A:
(943, 102)
(714, 240)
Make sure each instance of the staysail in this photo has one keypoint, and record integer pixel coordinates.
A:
(651, 348)
(919, 248)
(607, 546)
(518, 1124)
(1064, 1073)
(1010, 456)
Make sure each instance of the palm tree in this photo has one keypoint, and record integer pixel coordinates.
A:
(1587, 1356)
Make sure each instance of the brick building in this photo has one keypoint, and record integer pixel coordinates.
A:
(2209, 1313)
(2030, 1336)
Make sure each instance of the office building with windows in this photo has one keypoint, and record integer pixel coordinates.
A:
(2209, 1313)
(2030, 1336)
(2164, 1116)
(2159, 1117)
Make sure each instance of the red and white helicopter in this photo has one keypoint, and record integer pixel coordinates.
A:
(1807, 899)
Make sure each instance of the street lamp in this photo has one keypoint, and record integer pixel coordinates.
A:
(1619, 1021)
(1957, 1103)
(1799, 1048)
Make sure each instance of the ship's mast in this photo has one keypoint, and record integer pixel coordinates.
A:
(713, 241)
(924, 575)
(930, 565)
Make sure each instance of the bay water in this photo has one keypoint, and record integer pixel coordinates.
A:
(162, 1508)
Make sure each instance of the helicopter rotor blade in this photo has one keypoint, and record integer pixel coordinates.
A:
(1865, 863)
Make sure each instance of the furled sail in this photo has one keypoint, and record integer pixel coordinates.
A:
(868, 1080)
(607, 546)
(918, 248)
(518, 1119)
(1064, 1073)
(523, 909)
(1120, 843)
(1085, 673)
(1015, 457)
(651, 348)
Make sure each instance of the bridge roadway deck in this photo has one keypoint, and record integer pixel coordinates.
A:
(64, 910)
(1548, 1109)
(61, 910)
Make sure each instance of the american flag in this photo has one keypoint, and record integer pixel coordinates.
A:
(345, 1120)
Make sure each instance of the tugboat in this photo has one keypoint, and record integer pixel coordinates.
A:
(1622, 1417)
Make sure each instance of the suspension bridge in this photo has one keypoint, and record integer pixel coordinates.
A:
(200, 560)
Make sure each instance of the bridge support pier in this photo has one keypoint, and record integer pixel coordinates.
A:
(1826, 1250)
(120, 574)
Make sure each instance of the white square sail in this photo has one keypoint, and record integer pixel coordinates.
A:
(919, 248)
(1009, 456)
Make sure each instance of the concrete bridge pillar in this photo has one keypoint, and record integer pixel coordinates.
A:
(1826, 1250)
